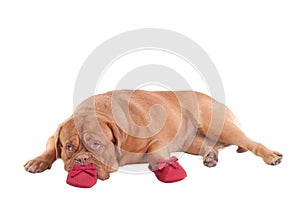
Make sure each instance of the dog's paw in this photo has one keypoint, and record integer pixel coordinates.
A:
(211, 159)
(37, 165)
(274, 158)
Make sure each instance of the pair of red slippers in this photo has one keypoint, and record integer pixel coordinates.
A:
(86, 176)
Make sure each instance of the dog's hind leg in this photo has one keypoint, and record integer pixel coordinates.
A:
(233, 135)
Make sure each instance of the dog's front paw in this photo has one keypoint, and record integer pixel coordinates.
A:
(211, 159)
(37, 165)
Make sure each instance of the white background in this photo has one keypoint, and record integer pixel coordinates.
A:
(255, 46)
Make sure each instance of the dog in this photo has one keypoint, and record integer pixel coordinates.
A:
(135, 126)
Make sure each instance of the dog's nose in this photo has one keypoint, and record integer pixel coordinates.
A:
(82, 159)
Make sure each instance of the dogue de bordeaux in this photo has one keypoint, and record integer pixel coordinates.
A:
(135, 126)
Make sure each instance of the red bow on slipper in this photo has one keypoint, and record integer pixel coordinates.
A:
(77, 169)
(164, 163)
(82, 176)
(169, 170)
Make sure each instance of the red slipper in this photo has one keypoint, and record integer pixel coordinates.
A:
(82, 176)
(169, 170)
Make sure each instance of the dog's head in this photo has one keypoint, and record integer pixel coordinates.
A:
(80, 144)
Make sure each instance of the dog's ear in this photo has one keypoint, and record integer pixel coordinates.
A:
(56, 137)
(115, 134)
(110, 130)
(57, 141)
(53, 147)
(117, 137)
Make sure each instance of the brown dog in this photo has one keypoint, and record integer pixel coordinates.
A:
(125, 127)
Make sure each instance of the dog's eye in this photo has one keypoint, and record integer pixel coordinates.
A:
(96, 145)
(70, 148)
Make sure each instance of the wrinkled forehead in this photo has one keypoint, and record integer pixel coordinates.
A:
(87, 123)
(68, 131)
